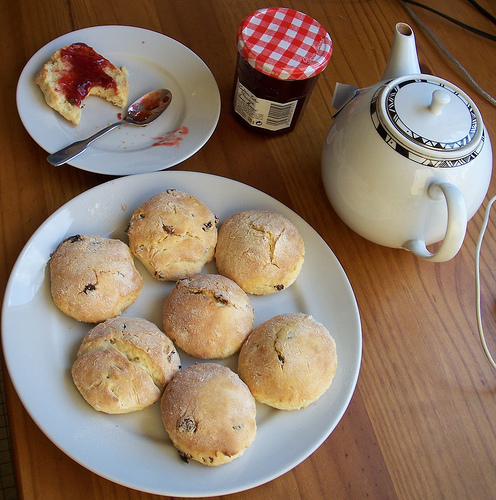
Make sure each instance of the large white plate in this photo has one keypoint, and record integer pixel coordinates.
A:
(153, 61)
(40, 345)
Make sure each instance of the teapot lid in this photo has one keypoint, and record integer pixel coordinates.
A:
(428, 120)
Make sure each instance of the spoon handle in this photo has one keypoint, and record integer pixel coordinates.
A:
(69, 152)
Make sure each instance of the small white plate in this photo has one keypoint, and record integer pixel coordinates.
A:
(153, 61)
(40, 345)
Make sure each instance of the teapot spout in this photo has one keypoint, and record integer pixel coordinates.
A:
(403, 59)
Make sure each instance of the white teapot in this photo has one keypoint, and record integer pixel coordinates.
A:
(408, 161)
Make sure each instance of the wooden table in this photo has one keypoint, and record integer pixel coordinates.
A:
(422, 421)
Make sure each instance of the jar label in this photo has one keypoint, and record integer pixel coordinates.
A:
(262, 113)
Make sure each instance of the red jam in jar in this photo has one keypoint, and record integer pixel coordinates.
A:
(281, 52)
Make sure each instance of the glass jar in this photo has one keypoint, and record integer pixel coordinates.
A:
(281, 53)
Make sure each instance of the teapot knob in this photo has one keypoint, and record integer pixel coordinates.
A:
(439, 99)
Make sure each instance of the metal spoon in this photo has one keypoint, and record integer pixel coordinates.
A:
(141, 112)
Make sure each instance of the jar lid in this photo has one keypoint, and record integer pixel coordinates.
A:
(429, 119)
(284, 43)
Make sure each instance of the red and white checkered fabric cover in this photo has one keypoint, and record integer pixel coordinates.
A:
(284, 43)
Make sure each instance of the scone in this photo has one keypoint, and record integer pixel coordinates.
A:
(208, 316)
(209, 414)
(173, 234)
(76, 71)
(124, 364)
(262, 251)
(288, 361)
(93, 278)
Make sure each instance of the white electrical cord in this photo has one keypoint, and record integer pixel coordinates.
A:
(477, 283)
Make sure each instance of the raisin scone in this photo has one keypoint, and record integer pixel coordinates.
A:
(77, 71)
(124, 364)
(262, 251)
(208, 316)
(173, 234)
(288, 361)
(209, 414)
(93, 278)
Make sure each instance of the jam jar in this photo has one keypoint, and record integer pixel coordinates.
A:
(281, 53)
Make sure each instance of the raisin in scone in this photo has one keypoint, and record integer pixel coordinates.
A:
(288, 361)
(209, 414)
(93, 278)
(208, 316)
(173, 234)
(76, 71)
(124, 364)
(262, 251)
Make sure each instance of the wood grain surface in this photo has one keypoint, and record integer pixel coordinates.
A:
(422, 421)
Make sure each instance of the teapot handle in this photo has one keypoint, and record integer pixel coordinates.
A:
(456, 227)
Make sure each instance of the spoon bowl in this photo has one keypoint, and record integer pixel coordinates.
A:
(148, 107)
(141, 112)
